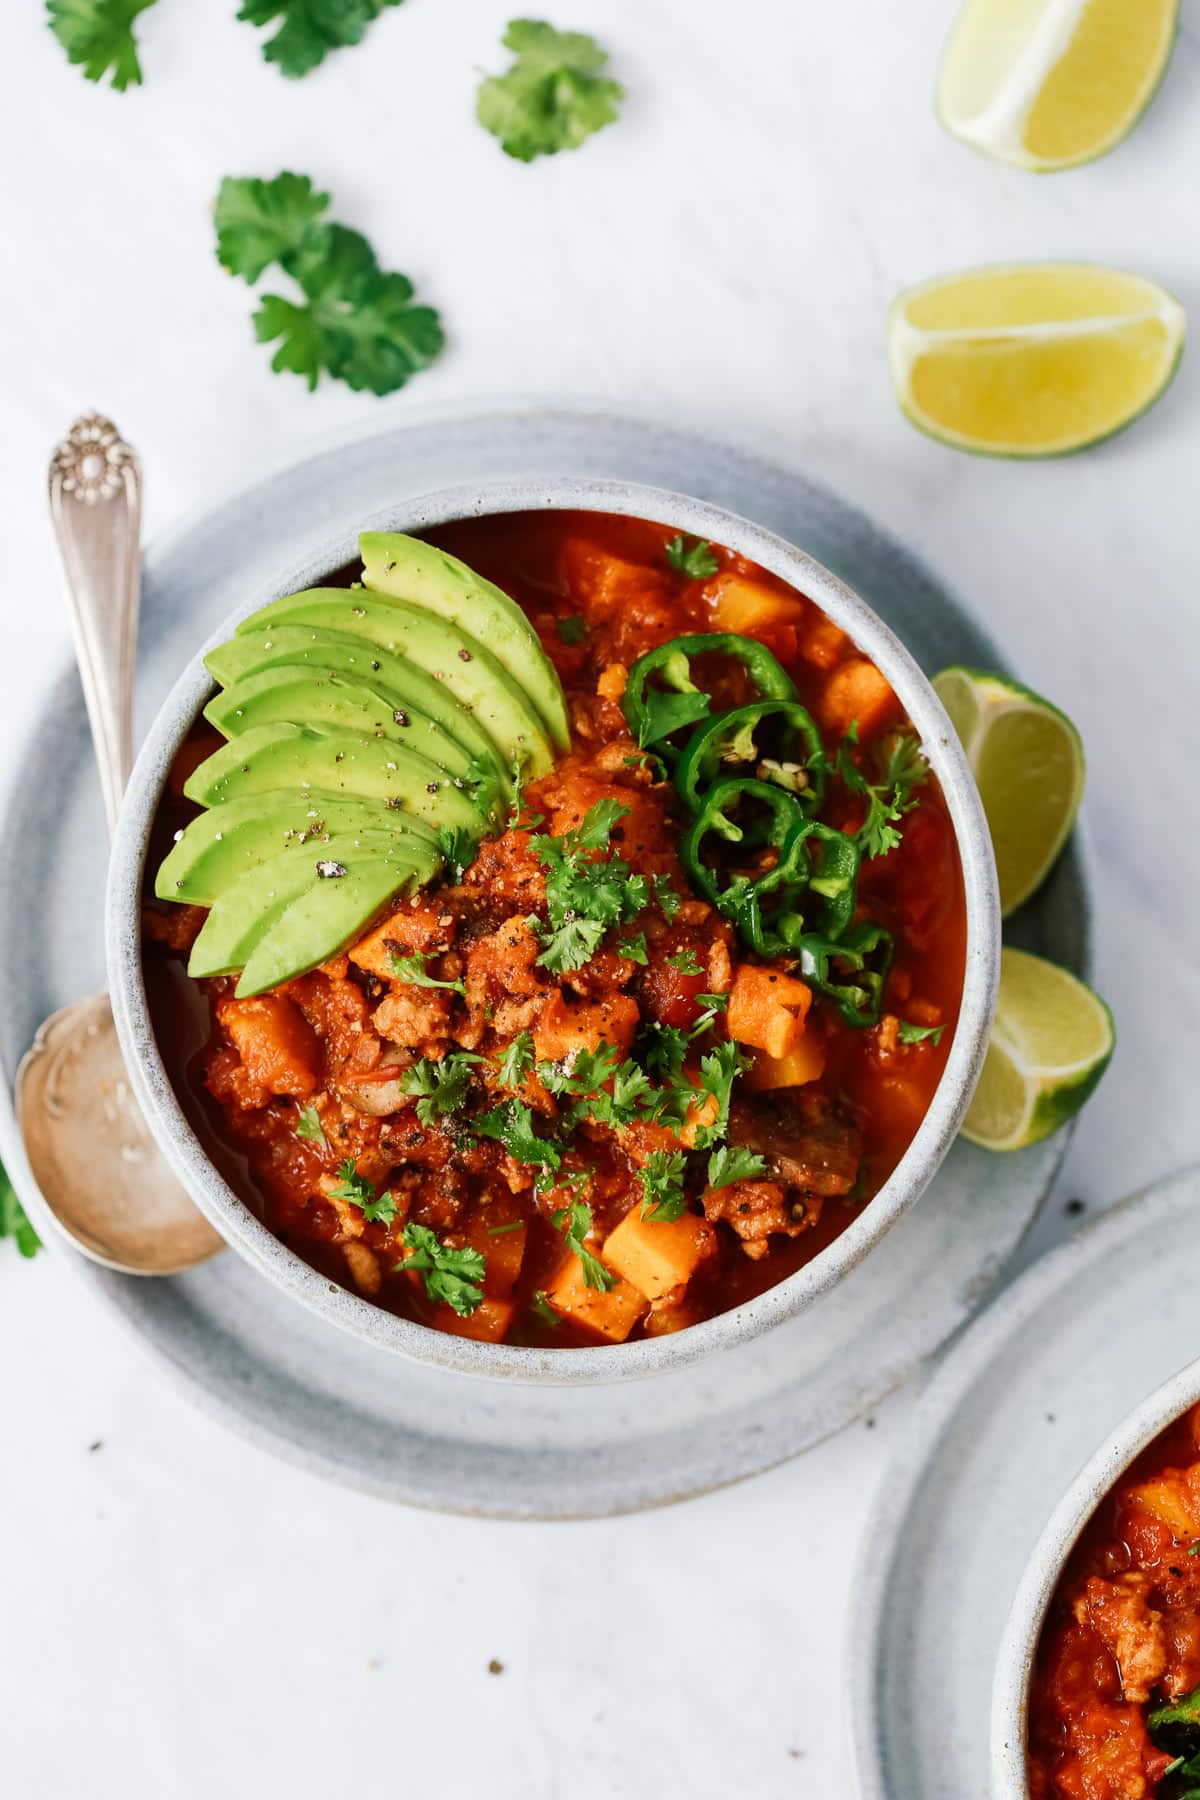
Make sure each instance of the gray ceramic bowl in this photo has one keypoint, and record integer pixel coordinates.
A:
(650, 1356)
(1018, 1646)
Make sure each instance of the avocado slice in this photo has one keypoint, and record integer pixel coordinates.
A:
(273, 757)
(226, 841)
(449, 655)
(298, 696)
(394, 677)
(246, 912)
(420, 573)
(334, 912)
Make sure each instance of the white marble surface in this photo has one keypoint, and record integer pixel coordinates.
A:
(179, 1614)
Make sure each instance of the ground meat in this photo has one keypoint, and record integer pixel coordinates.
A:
(809, 1145)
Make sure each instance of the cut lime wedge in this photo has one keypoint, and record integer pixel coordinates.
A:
(1048, 84)
(1034, 359)
(1052, 1040)
(1028, 763)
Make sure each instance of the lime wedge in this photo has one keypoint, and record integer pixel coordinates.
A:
(1047, 84)
(1028, 763)
(1051, 1042)
(1033, 359)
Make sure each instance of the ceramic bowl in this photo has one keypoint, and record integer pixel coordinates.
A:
(251, 1238)
(1018, 1646)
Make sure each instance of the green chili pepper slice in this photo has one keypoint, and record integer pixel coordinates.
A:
(654, 713)
(733, 740)
(850, 972)
(764, 907)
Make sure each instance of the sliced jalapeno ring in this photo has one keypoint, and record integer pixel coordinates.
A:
(850, 972)
(654, 713)
(734, 740)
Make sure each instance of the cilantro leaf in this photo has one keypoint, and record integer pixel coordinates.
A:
(455, 1276)
(359, 325)
(459, 848)
(553, 97)
(99, 35)
(311, 28)
(14, 1221)
(263, 222)
(663, 713)
(712, 1006)
(719, 1069)
(668, 900)
(411, 969)
(919, 1034)
(585, 896)
(516, 1061)
(686, 961)
(904, 768)
(542, 1308)
(442, 1087)
(511, 1124)
(575, 1222)
(691, 557)
(663, 1198)
(350, 1185)
(308, 1126)
(664, 1051)
(733, 1162)
(573, 630)
(634, 949)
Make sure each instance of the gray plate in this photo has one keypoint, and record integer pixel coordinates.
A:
(336, 1405)
(1016, 1409)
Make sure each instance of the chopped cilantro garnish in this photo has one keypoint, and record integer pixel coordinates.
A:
(691, 558)
(516, 1061)
(575, 1221)
(903, 769)
(687, 962)
(663, 1198)
(411, 967)
(553, 97)
(634, 949)
(542, 1308)
(919, 1034)
(263, 222)
(668, 900)
(665, 711)
(442, 1086)
(503, 1230)
(719, 1069)
(512, 1125)
(459, 847)
(455, 1276)
(733, 1162)
(310, 29)
(308, 1126)
(573, 630)
(350, 1185)
(14, 1221)
(99, 35)
(585, 896)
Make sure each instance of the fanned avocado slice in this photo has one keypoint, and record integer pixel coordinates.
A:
(248, 911)
(395, 677)
(296, 696)
(225, 842)
(425, 576)
(449, 655)
(334, 911)
(274, 757)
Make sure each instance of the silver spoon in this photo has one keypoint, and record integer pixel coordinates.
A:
(95, 1162)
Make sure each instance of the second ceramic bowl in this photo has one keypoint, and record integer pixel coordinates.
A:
(251, 1238)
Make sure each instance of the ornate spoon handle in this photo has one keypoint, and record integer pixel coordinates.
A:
(96, 503)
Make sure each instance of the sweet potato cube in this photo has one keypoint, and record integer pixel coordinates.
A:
(602, 584)
(562, 1030)
(767, 1010)
(740, 604)
(805, 1062)
(824, 644)
(277, 1045)
(857, 694)
(1164, 1500)
(489, 1322)
(407, 929)
(612, 1315)
(657, 1257)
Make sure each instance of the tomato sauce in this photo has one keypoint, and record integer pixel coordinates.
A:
(831, 1120)
(1122, 1636)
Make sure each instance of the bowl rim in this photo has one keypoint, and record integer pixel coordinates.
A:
(1035, 1590)
(252, 1239)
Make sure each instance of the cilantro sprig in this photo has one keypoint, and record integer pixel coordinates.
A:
(351, 320)
(376, 1209)
(553, 97)
(734, 1162)
(575, 1222)
(98, 36)
(308, 1126)
(919, 1034)
(903, 770)
(310, 29)
(455, 1276)
(411, 969)
(587, 893)
(441, 1087)
(661, 1177)
(691, 557)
